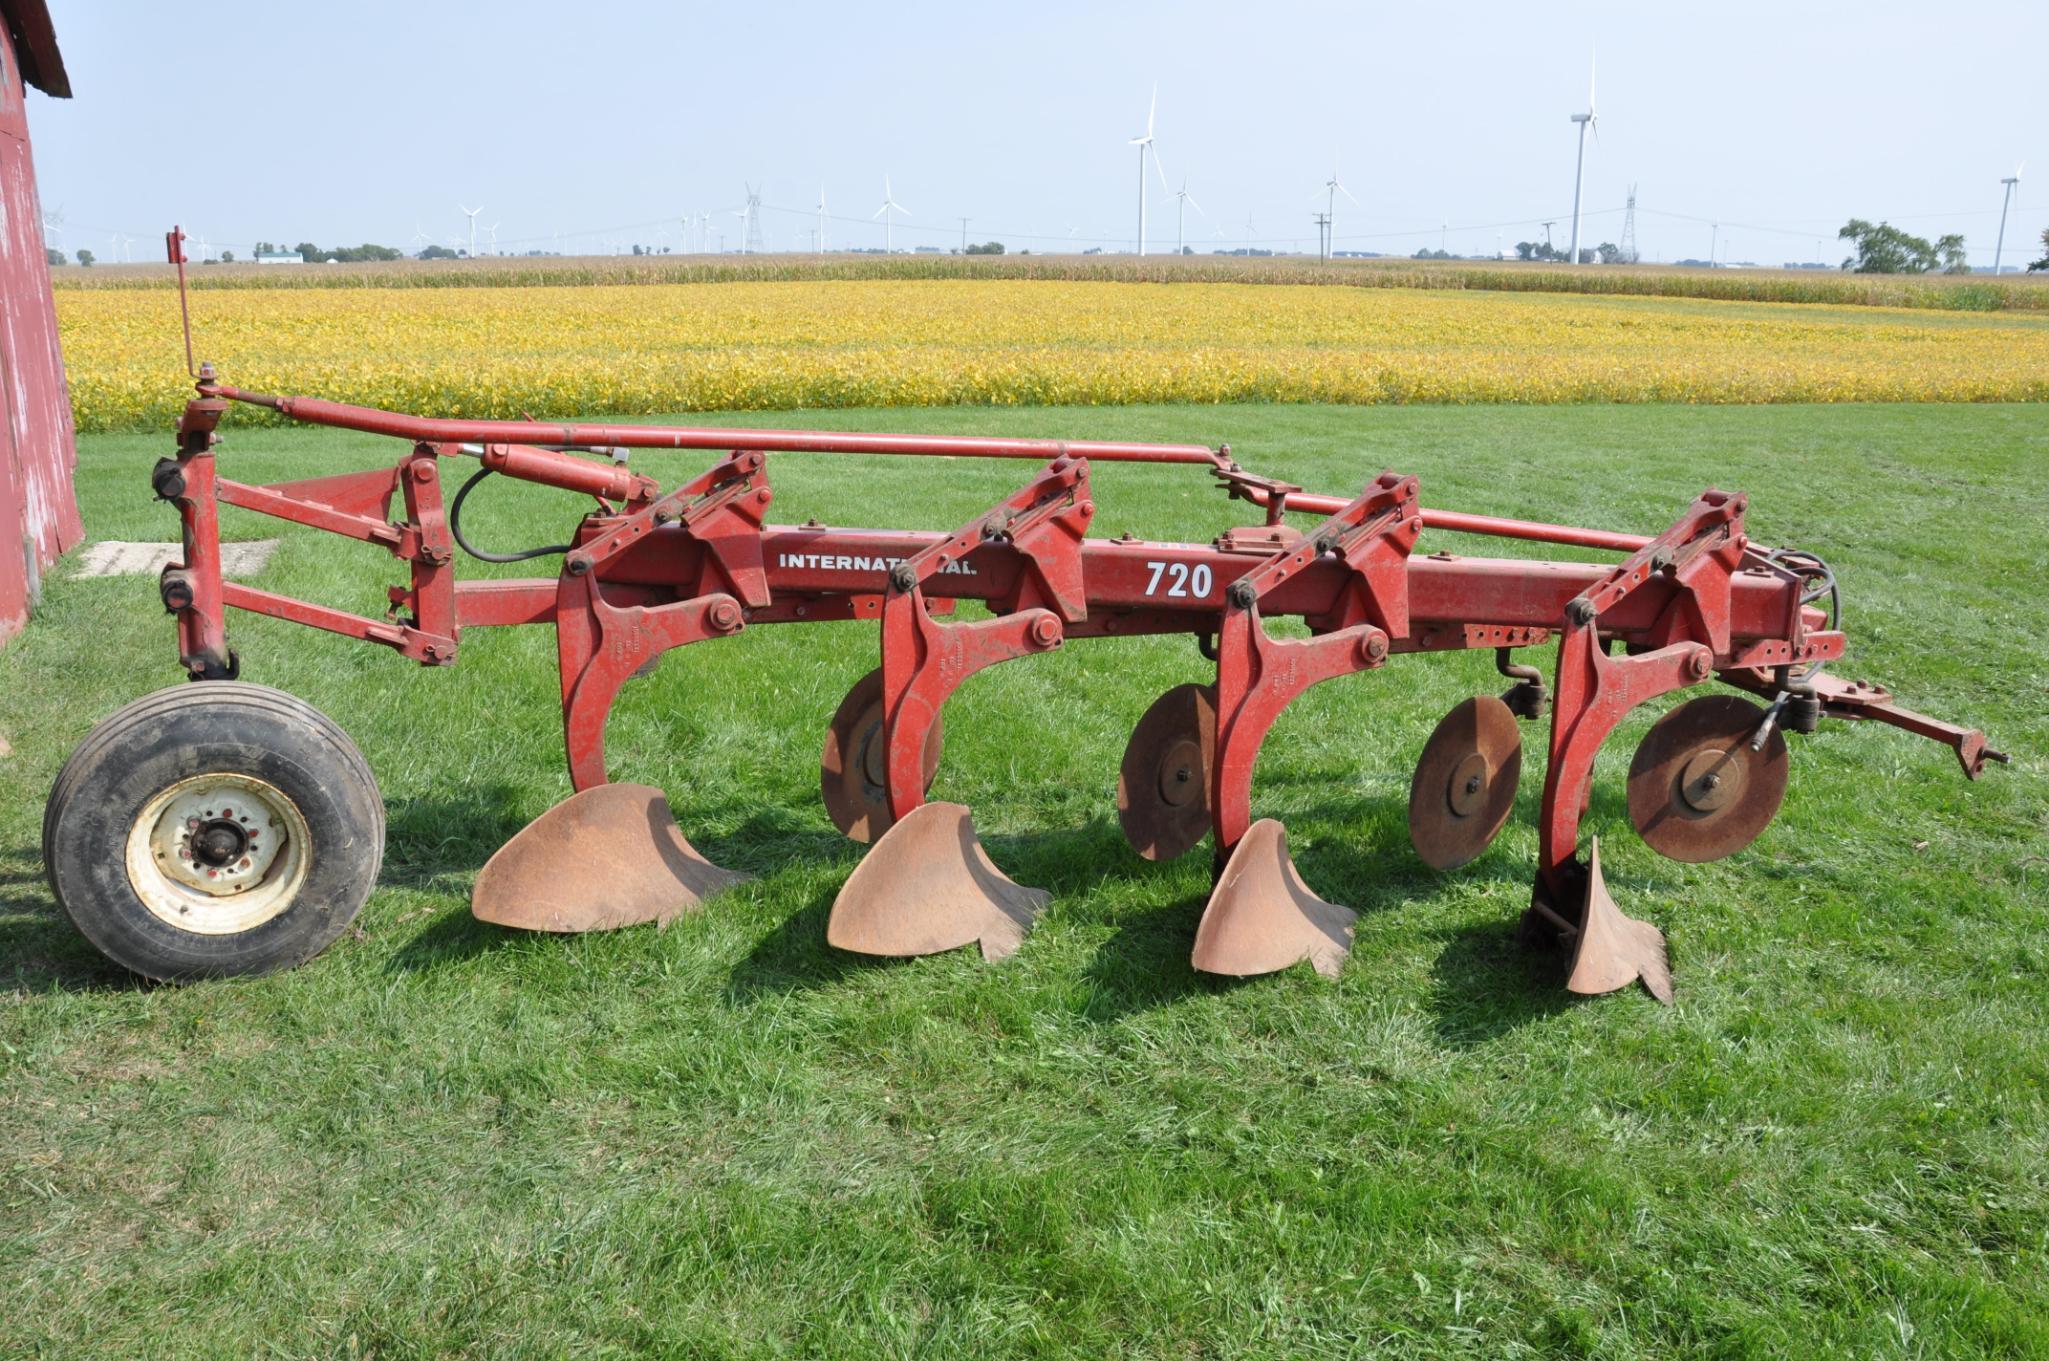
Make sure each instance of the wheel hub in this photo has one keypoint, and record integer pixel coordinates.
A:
(218, 854)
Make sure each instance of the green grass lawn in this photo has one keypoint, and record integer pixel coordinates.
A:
(725, 1139)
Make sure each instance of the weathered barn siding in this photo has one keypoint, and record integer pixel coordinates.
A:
(38, 511)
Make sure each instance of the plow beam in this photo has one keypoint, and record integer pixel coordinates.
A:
(1698, 555)
(927, 885)
(1261, 917)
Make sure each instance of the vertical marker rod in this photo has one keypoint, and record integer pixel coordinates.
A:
(174, 245)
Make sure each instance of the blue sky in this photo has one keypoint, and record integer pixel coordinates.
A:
(604, 122)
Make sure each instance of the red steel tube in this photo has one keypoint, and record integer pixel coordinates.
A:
(419, 429)
(1494, 526)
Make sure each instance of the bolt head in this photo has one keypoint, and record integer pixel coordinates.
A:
(1046, 630)
(1242, 594)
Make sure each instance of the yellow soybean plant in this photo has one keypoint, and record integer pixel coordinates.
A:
(642, 349)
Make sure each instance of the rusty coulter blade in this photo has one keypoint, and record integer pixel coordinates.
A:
(608, 857)
(1698, 791)
(1163, 784)
(1611, 950)
(1262, 918)
(853, 772)
(927, 887)
(1464, 786)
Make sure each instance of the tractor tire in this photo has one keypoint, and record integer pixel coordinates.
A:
(213, 830)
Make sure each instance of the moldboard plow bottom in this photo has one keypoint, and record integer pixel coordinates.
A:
(182, 850)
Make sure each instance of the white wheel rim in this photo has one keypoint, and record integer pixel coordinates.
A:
(218, 854)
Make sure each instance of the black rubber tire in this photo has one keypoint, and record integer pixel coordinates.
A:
(212, 727)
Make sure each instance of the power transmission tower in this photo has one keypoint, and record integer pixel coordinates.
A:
(753, 240)
(1629, 256)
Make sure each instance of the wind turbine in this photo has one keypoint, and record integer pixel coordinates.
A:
(1145, 144)
(471, 214)
(821, 217)
(1332, 188)
(420, 239)
(1585, 120)
(1182, 199)
(53, 222)
(889, 205)
(492, 230)
(2013, 187)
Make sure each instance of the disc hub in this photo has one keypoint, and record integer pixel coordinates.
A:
(1467, 791)
(1711, 780)
(1181, 774)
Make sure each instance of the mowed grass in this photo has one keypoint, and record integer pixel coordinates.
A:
(724, 1138)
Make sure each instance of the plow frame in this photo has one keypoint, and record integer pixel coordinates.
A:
(649, 571)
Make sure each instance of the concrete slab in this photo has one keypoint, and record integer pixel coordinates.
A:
(114, 558)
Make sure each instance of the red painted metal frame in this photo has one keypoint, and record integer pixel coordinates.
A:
(1258, 676)
(925, 661)
(650, 571)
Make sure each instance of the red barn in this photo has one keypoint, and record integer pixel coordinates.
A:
(38, 511)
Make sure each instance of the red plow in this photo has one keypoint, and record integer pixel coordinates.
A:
(222, 828)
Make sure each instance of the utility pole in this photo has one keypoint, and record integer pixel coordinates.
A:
(2012, 182)
(1323, 236)
(1547, 235)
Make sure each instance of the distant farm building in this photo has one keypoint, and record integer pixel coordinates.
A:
(281, 258)
(38, 508)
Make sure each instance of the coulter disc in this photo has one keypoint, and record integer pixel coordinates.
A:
(1163, 785)
(1464, 786)
(853, 775)
(1697, 792)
